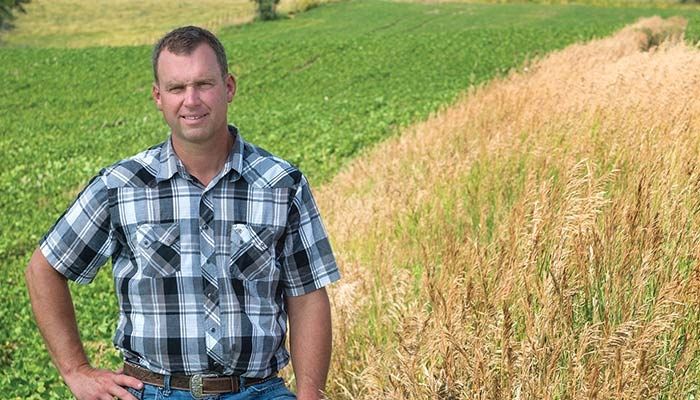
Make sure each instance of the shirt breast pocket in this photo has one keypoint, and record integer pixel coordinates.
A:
(251, 255)
(158, 247)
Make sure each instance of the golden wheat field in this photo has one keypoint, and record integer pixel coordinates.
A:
(540, 239)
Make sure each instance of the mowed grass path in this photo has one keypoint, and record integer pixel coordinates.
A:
(316, 89)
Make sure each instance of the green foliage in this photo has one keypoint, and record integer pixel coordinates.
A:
(6, 9)
(316, 89)
(266, 9)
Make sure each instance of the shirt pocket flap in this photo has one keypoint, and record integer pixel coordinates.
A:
(243, 236)
(250, 249)
(166, 234)
(158, 249)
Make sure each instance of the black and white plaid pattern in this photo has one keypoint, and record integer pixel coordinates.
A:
(200, 272)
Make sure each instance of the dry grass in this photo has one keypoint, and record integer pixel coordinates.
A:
(82, 23)
(296, 6)
(538, 240)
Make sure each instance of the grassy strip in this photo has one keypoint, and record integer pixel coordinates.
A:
(75, 23)
(317, 89)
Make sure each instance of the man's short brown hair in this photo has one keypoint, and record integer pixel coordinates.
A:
(185, 40)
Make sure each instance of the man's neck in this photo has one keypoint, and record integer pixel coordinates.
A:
(204, 162)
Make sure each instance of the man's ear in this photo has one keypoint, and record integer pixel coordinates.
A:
(230, 82)
(155, 92)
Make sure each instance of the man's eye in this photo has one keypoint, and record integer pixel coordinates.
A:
(175, 89)
(205, 85)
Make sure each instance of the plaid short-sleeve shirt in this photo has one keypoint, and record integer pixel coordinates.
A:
(200, 272)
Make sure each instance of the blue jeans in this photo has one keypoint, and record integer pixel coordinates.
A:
(274, 389)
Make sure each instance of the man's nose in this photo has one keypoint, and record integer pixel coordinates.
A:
(191, 96)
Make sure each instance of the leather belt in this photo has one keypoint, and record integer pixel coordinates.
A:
(198, 384)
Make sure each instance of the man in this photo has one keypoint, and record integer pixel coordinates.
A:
(214, 243)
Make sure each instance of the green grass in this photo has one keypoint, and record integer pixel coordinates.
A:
(316, 89)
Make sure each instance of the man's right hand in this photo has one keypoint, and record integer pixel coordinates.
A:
(88, 383)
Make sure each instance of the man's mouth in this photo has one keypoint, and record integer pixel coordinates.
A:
(194, 117)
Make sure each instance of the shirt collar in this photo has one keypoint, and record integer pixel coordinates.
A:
(169, 162)
(235, 156)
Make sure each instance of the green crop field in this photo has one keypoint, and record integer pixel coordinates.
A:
(316, 89)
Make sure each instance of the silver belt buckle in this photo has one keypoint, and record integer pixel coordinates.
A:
(197, 385)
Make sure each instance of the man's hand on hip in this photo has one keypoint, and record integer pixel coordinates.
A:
(89, 383)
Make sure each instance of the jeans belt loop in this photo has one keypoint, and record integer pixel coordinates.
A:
(166, 385)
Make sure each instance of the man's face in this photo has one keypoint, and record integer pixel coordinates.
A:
(193, 96)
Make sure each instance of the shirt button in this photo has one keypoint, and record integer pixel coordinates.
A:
(212, 330)
(205, 227)
(146, 242)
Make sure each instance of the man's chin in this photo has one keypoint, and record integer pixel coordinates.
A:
(194, 136)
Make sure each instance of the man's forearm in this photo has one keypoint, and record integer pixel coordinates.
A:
(54, 313)
(55, 316)
(310, 342)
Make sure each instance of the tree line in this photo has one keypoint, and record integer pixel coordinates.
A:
(7, 8)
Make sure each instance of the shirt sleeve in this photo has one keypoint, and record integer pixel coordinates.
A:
(81, 241)
(308, 263)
